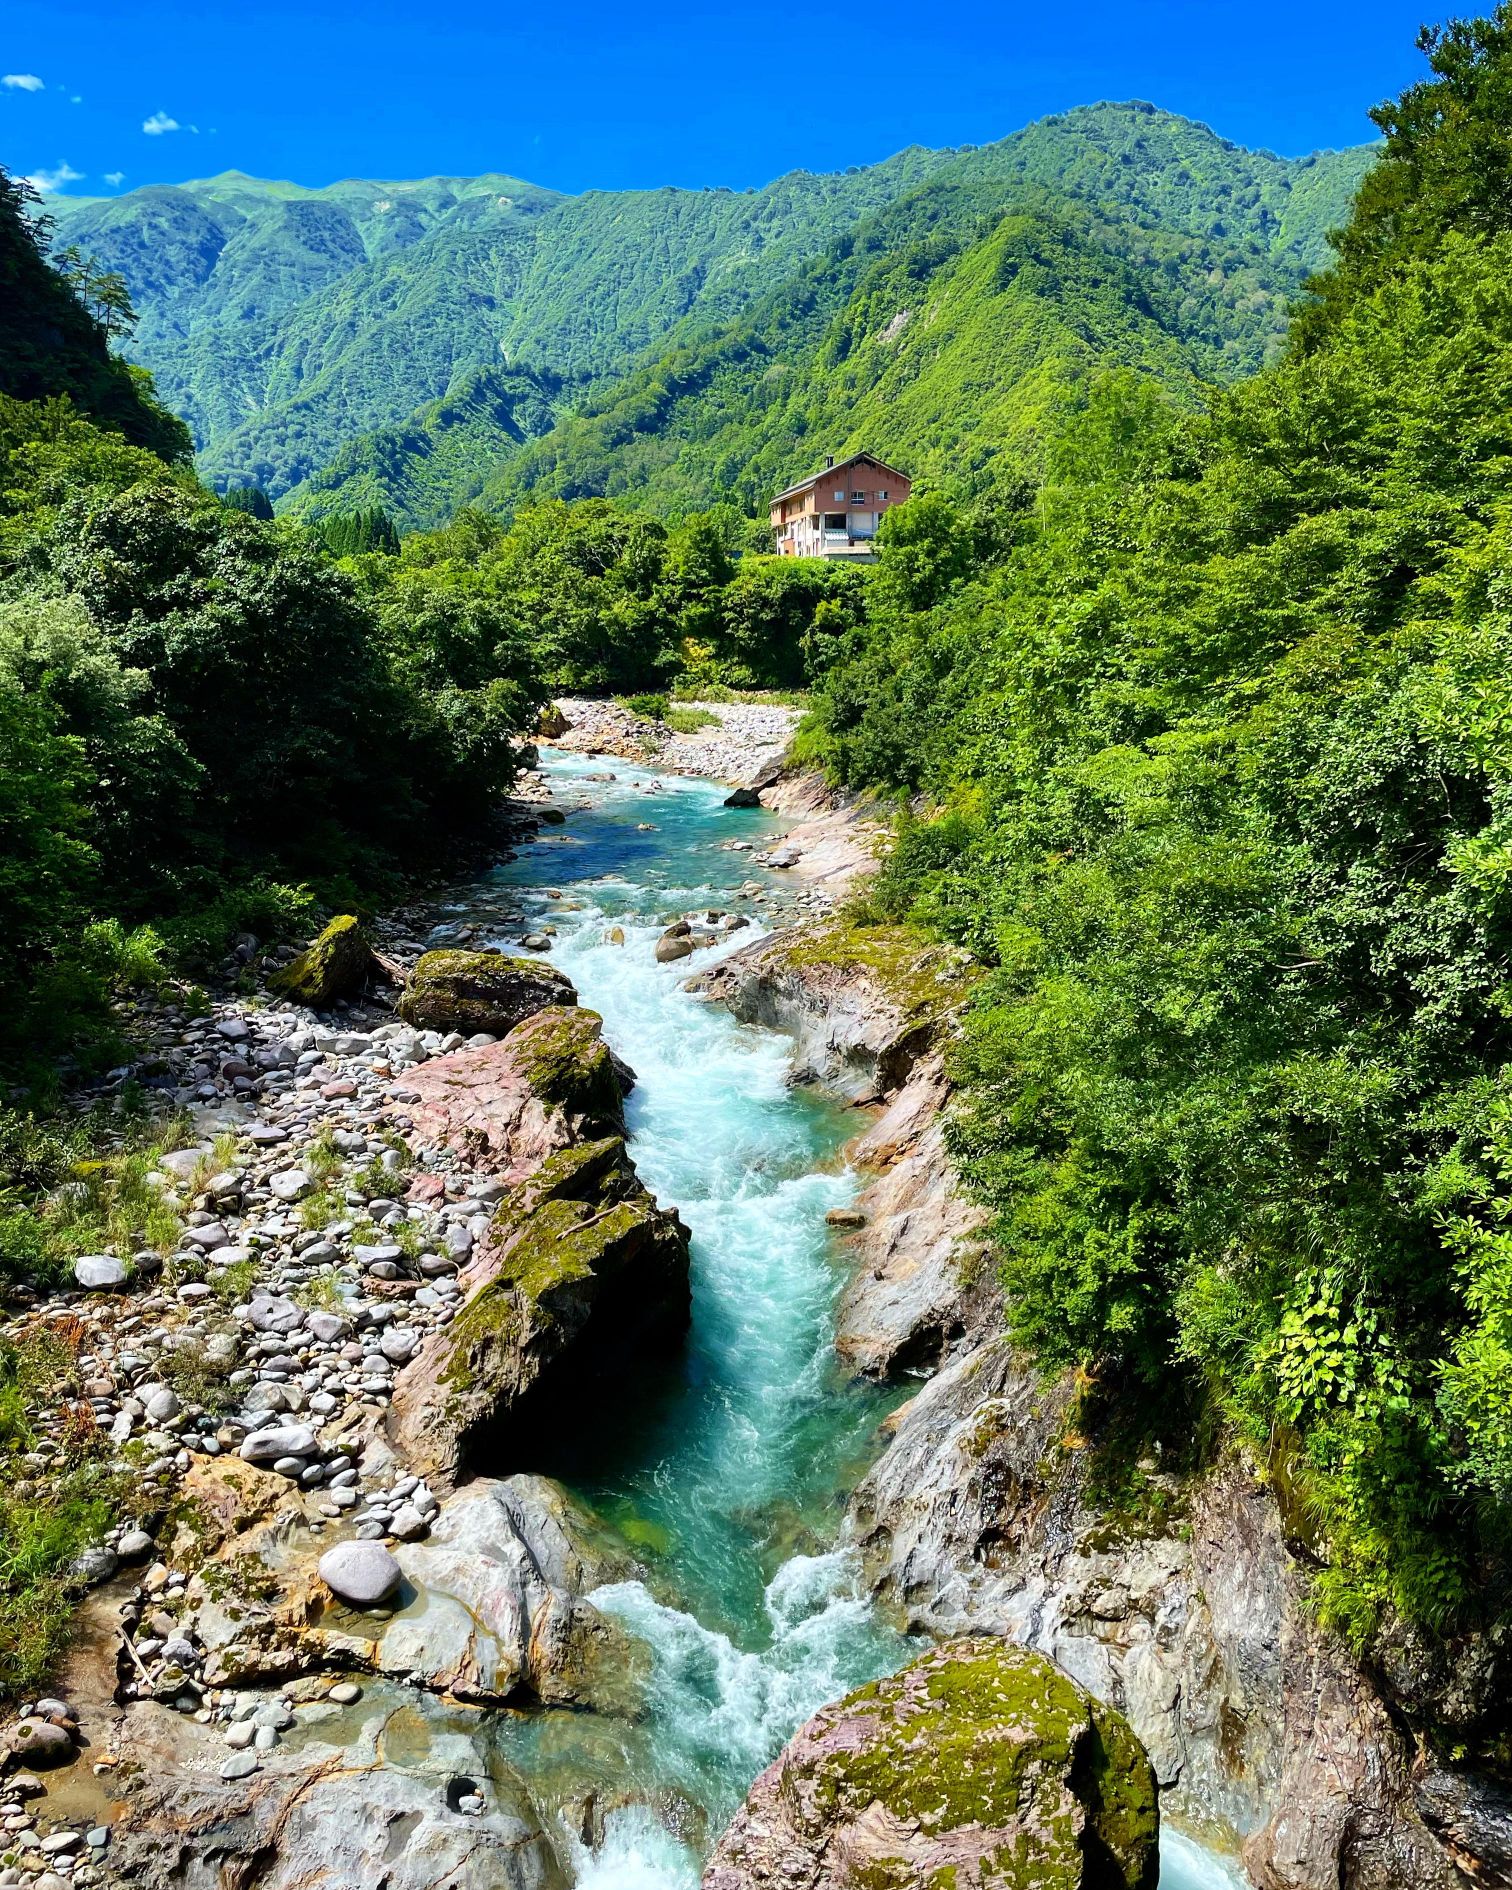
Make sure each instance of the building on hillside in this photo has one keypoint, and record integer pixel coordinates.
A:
(835, 513)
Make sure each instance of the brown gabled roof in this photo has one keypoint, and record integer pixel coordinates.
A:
(839, 466)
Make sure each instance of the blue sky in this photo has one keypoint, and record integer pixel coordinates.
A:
(98, 98)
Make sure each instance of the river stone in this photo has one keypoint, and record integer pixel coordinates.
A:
(40, 1742)
(288, 1440)
(981, 1763)
(100, 1272)
(361, 1573)
(479, 991)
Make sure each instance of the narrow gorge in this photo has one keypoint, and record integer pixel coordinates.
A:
(536, 1427)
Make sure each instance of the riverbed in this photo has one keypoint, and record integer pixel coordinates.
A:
(728, 1471)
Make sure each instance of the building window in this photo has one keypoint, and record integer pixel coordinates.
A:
(883, 493)
(858, 498)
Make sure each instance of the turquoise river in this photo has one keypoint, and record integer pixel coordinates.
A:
(728, 1469)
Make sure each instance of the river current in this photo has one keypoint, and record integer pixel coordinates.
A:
(728, 1470)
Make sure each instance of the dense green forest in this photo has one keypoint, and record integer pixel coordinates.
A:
(450, 320)
(954, 329)
(281, 321)
(202, 715)
(1213, 753)
(213, 720)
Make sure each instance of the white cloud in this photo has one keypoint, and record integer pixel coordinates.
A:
(77, 99)
(22, 81)
(48, 182)
(158, 123)
(115, 177)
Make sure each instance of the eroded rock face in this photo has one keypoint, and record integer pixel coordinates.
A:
(915, 1285)
(863, 1003)
(977, 1519)
(502, 1578)
(479, 991)
(979, 1765)
(333, 1814)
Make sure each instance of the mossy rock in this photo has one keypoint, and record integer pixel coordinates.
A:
(982, 1766)
(560, 1052)
(479, 991)
(335, 966)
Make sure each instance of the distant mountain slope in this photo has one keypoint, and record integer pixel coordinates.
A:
(283, 321)
(946, 328)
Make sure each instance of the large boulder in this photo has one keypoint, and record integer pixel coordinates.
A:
(580, 1276)
(508, 1106)
(479, 991)
(980, 1764)
(501, 1579)
(334, 966)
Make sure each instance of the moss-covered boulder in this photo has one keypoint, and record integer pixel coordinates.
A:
(335, 966)
(982, 1766)
(479, 991)
(581, 1277)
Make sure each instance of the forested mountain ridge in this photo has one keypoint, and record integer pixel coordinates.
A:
(945, 327)
(284, 323)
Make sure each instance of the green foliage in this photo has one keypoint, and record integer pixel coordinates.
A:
(204, 721)
(54, 341)
(350, 534)
(248, 499)
(649, 708)
(1215, 729)
(399, 340)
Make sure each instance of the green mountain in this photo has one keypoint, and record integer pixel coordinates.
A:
(947, 328)
(283, 321)
(415, 345)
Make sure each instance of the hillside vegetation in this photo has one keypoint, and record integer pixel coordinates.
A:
(1213, 760)
(342, 344)
(282, 321)
(952, 325)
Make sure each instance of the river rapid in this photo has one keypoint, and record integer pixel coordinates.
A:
(728, 1470)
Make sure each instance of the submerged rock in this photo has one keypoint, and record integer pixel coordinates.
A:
(334, 966)
(479, 991)
(981, 1764)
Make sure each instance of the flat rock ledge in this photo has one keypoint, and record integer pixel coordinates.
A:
(981, 1764)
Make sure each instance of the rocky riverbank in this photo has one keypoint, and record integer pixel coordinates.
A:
(400, 1230)
(1182, 1601)
(740, 743)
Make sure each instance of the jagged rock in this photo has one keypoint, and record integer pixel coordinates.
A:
(334, 966)
(863, 1002)
(479, 991)
(551, 723)
(580, 1275)
(978, 1765)
(977, 1519)
(913, 1287)
(743, 797)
